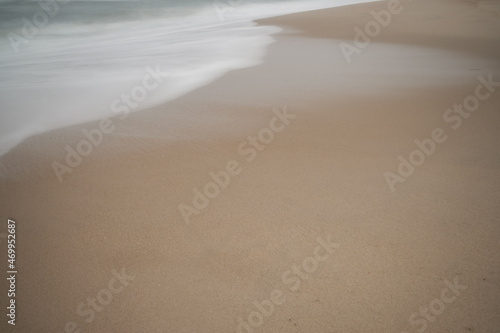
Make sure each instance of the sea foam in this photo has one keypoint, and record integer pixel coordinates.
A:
(90, 53)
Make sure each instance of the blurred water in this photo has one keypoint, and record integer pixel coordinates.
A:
(72, 67)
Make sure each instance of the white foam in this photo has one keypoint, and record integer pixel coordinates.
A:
(70, 74)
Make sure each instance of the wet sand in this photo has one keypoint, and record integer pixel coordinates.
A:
(108, 249)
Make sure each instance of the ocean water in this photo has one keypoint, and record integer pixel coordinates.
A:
(69, 62)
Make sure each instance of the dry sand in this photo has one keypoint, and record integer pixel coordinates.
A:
(322, 176)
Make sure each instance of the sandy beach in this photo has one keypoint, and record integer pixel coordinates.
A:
(312, 193)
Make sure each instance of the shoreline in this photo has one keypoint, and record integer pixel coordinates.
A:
(67, 97)
(319, 177)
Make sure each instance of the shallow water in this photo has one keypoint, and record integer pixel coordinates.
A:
(67, 63)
